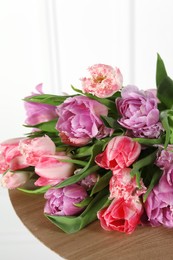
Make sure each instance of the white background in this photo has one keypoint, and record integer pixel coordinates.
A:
(54, 42)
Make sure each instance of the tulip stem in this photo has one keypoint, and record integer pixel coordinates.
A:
(78, 162)
(154, 181)
(147, 141)
(143, 162)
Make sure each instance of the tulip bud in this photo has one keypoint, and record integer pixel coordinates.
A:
(12, 180)
(61, 201)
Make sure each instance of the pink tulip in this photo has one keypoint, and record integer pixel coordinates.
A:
(73, 141)
(122, 215)
(33, 149)
(123, 185)
(12, 180)
(120, 152)
(10, 155)
(37, 112)
(53, 169)
(89, 181)
(41, 181)
(104, 81)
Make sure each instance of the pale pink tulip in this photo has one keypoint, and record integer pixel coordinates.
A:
(41, 181)
(10, 155)
(33, 149)
(36, 112)
(53, 168)
(123, 185)
(104, 81)
(12, 180)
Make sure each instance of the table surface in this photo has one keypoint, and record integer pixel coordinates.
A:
(92, 242)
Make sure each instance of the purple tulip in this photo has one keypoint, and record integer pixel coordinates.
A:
(165, 158)
(139, 112)
(60, 202)
(89, 181)
(159, 204)
(79, 121)
(37, 113)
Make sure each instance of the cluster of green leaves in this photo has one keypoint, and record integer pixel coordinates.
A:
(165, 95)
(145, 167)
(48, 99)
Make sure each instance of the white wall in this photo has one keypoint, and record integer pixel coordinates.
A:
(24, 58)
(123, 33)
(24, 62)
(54, 42)
(91, 32)
(153, 33)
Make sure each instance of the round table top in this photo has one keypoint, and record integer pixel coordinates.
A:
(92, 242)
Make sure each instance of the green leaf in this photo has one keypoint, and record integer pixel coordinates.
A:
(161, 73)
(102, 183)
(105, 101)
(115, 96)
(83, 151)
(165, 92)
(170, 121)
(112, 98)
(46, 126)
(165, 123)
(79, 176)
(166, 118)
(111, 123)
(48, 99)
(78, 162)
(164, 85)
(149, 142)
(77, 90)
(84, 202)
(36, 191)
(171, 136)
(72, 224)
(138, 179)
(156, 176)
(161, 106)
(147, 160)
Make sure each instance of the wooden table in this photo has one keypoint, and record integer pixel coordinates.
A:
(92, 242)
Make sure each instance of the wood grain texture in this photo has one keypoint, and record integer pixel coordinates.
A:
(92, 242)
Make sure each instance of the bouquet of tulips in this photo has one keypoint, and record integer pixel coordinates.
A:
(105, 152)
